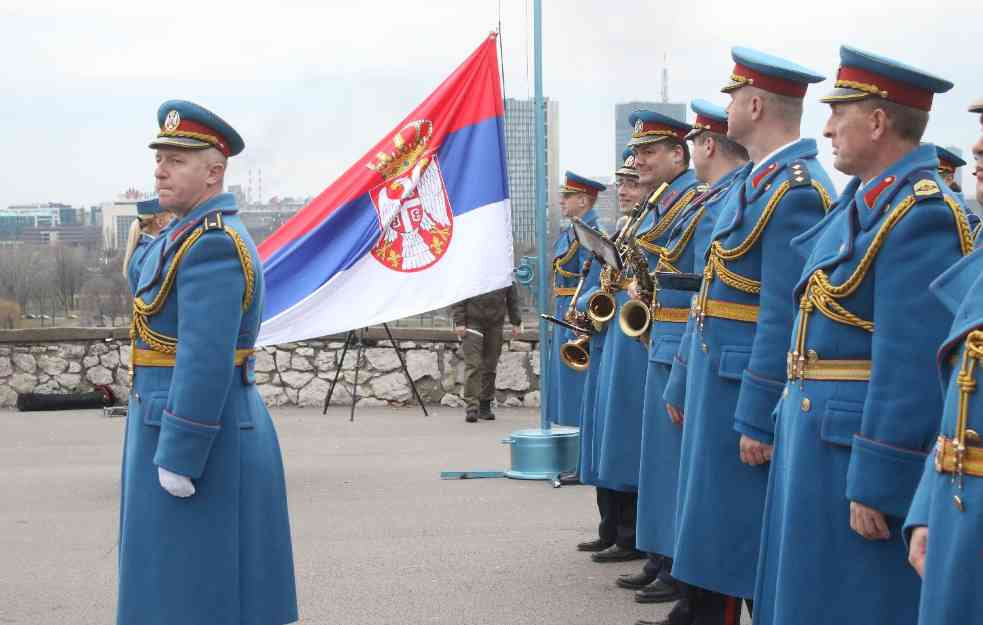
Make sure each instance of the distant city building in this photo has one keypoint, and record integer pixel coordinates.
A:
(520, 148)
(44, 223)
(606, 205)
(116, 217)
(622, 129)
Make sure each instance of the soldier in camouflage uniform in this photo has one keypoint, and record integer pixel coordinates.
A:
(478, 322)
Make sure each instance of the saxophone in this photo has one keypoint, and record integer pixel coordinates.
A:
(602, 305)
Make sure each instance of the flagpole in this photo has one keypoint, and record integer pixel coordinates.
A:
(541, 241)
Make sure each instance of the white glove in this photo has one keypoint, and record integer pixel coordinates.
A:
(175, 484)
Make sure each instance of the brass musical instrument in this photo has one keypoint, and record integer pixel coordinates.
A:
(601, 306)
(635, 317)
(576, 353)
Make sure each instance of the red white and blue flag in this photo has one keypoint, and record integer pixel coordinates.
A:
(420, 222)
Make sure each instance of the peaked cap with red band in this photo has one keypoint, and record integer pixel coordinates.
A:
(578, 184)
(189, 126)
(865, 75)
(753, 68)
(650, 126)
(709, 117)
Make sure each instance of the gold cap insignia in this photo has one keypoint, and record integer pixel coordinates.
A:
(172, 121)
(926, 187)
(639, 126)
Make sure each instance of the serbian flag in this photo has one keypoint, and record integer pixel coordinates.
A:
(420, 222)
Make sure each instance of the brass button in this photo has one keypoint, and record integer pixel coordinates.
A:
(972, 438)
(806, 404)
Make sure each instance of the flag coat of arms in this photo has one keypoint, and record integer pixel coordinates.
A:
(420, 222)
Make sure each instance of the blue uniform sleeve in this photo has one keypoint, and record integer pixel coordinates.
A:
(764, 378)
(918, 512)
(903, 407)
(210, 286)
(675, 391)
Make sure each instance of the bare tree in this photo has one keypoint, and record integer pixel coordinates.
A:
(20, 267)
(68, 274)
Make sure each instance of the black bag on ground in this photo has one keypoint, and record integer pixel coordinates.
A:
(101, 397)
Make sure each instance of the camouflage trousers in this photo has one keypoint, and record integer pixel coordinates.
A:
(480, 361)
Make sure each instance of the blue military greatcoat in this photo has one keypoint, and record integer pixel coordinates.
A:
(563, 397)
(860, 410)
(621, 379)
(736, 366)
(659, 463)
(222, 556)
(717, 199)
(135, 265)
(953, 568)
(590, 429)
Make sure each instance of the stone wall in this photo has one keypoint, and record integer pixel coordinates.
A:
(298, 374)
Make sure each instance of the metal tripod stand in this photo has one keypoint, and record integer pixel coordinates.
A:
(357, 338)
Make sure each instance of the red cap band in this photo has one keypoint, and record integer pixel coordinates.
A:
(887, 88)
(790, 88)
(647, 129)
(571, 186)
(711, 124)
(194, 130)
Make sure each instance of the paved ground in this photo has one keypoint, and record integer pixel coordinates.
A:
(378, 538)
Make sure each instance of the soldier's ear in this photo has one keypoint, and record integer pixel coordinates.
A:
(877, 122)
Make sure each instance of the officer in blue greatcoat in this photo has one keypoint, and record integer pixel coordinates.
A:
(736, 364)
(204, 531)
(577, 198)
(948, 505)
(663, 160)
(610, 504)
(618, 408)
(859, 411)
(717, 161)
(151, 219)
(949, 164)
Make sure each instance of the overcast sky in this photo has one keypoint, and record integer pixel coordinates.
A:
(312, 85)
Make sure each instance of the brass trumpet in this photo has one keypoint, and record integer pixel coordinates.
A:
(576, 353)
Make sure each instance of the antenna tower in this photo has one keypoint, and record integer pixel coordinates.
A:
(665, 78)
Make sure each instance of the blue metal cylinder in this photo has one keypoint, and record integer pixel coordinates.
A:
(543, 454)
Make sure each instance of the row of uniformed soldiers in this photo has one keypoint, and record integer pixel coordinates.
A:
(769, 438)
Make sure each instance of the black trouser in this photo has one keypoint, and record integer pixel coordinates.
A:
(705, 607)
(617, 511)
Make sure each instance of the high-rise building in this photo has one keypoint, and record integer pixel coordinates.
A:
(606, 205)
(622, 129)
(520, 148)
